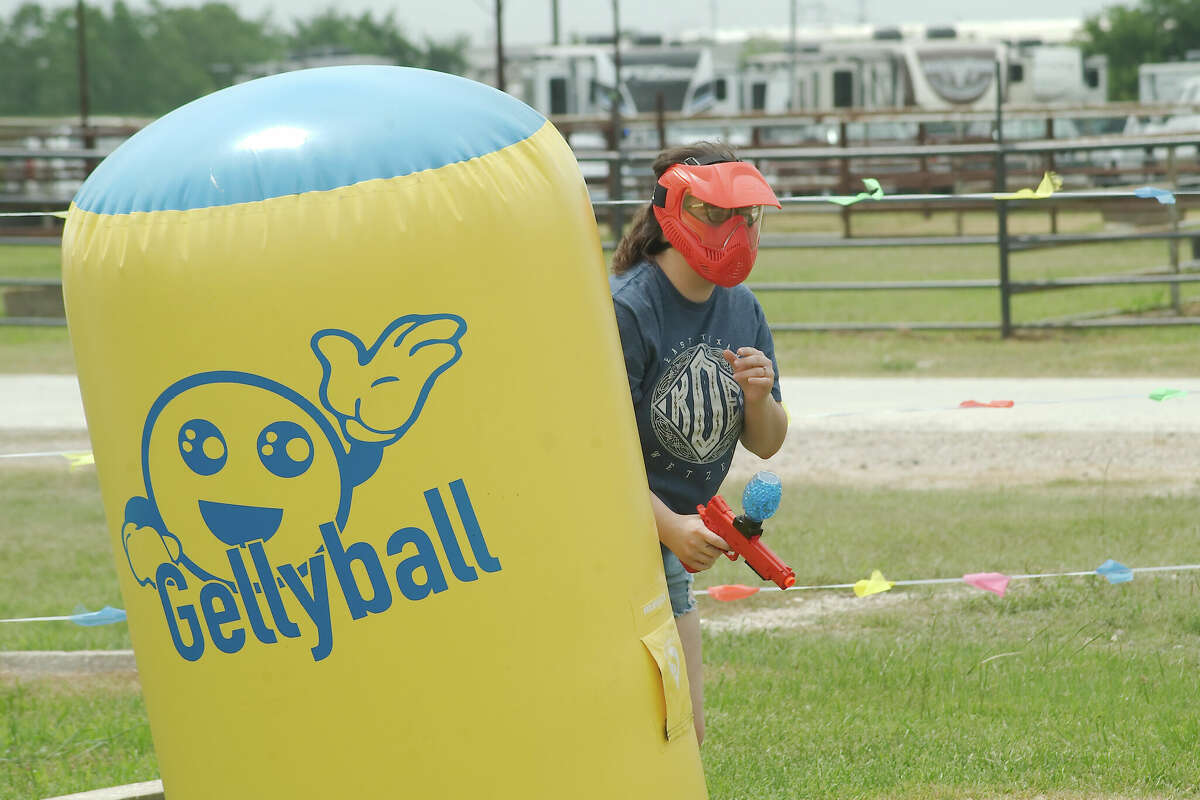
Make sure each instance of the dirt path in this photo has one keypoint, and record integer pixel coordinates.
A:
(1150, 461)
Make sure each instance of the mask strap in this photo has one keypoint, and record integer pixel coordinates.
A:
(659, 197)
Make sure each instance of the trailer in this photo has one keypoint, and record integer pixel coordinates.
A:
(1164, 82)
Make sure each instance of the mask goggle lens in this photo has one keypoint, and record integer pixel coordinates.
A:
(718, 215)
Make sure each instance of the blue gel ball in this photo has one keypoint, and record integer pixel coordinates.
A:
(761, 498)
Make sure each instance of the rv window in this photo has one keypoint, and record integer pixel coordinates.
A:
(1016, 73)
(721, 89)
(558, 95)
(758, 96)
(1091, 76)
(843, 88)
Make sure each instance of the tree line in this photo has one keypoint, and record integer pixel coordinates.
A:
(152, 60)
(1149, 32)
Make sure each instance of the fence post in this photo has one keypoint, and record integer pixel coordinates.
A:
(844, 180)
(1173, 243)
(617, 192)
(1002, 212)
(660, 121)
(1050, 167)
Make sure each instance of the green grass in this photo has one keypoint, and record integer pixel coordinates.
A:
(57, 556)
(27, 349)
(60, 737)
(35, 351)
(30, 261)
(1065, 688)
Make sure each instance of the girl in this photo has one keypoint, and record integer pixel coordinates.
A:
(699, 355)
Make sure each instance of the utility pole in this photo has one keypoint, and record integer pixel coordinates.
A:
(500, 45)
(555, 33)
(615, 101)
(89, 139)
(792, 65)
(617, 220)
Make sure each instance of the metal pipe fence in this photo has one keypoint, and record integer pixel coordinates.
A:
(634, 165)
(1006, 243)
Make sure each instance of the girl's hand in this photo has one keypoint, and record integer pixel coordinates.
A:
(753, 371)
(695, 545)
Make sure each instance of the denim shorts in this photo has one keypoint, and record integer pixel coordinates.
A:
(679, 583)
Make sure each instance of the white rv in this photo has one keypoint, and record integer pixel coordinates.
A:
(580, 79)
(1043, 74)
(926, 74)
(1164, 82)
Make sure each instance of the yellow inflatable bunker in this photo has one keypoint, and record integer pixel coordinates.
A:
(364, 439)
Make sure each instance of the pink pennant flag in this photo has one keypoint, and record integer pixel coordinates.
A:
(989, 404)
(994, 582)
(734, 591)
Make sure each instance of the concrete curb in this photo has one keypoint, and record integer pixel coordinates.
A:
(34, 663)
(148, 790)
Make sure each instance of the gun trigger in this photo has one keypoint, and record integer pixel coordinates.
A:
(731, 555)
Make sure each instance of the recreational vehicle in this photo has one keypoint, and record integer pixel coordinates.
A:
(1046, 74)
(938, 74)
(581, 79)
(928, 75)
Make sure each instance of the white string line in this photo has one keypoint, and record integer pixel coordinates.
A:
(930, 581)
(910, 582)
(46, 454)
(1058, 195)
(33, 214)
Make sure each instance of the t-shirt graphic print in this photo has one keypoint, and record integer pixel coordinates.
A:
(696, 406)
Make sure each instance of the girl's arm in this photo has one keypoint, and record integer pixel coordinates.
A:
(765, 422)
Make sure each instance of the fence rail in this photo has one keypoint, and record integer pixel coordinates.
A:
(634, 164)
(1171, 275)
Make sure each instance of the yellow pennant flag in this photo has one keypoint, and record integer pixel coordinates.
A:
(78, 460)
(1051, 183)
(873, 585)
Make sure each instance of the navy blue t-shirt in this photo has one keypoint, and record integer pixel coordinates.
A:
(688, 406)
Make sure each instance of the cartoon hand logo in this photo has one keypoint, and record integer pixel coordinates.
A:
(147, 542)
(378, 392)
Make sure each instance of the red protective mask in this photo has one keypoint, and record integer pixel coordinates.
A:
(711, 214)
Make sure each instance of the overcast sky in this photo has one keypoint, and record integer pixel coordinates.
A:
(528, 21)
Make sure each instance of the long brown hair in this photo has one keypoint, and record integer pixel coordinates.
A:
(645, 237)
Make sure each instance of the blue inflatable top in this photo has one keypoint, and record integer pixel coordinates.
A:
(311, 130)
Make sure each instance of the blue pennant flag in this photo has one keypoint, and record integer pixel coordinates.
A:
(1115, 571)
(105, 616)
(1161, 195)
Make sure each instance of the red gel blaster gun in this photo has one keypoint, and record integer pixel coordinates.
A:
(743, 533)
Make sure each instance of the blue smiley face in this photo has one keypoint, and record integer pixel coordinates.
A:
(235, 462)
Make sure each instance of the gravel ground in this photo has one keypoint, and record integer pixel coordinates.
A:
(898, 432)
(1156, 462)
(913, 433)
